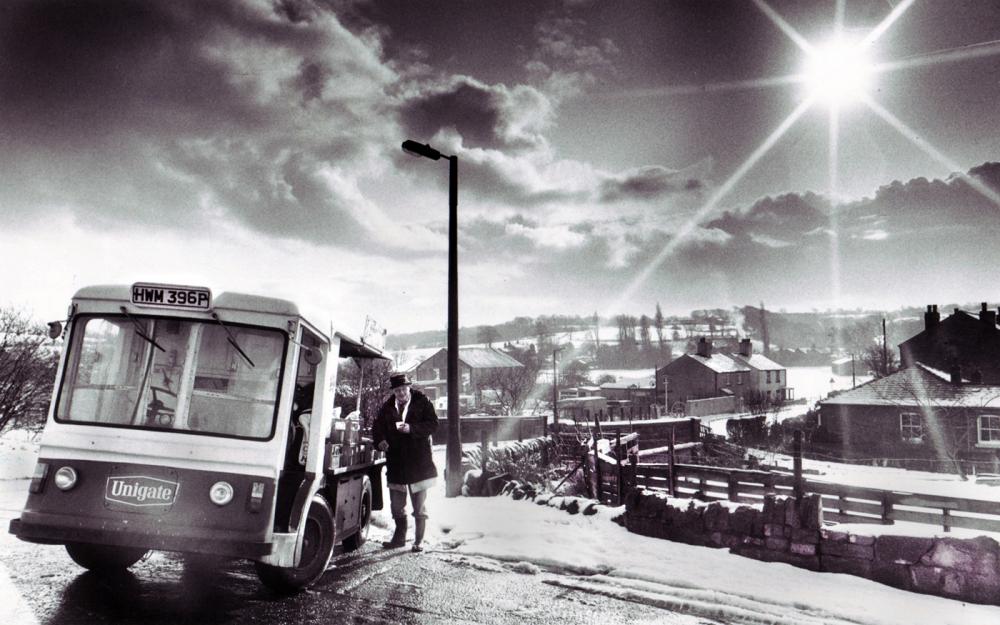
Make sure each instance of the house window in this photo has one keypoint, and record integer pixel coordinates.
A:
(768, 377)
(777, 376)
(909, 426)
(739, 378)
(725, 379)
(989, 430)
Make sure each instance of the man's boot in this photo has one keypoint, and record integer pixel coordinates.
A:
(418, 536)
(399, 536)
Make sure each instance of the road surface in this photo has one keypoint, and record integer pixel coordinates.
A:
(39, 584)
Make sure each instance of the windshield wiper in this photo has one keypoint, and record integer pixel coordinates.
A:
(140, 331)
(232, 341)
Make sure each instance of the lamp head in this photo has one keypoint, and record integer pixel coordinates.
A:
(421, 149)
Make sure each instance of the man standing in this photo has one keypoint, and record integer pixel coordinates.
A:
(403, 430)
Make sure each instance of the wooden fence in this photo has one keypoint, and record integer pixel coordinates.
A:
(841, 503)
(609, 476)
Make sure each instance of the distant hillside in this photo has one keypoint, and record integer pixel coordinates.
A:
(813, 331)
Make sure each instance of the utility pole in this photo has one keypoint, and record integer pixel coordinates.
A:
(555, 387)
(885, 351)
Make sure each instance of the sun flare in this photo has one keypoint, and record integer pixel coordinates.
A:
(839, 72)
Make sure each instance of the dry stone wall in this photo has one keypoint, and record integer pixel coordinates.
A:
(783, 530)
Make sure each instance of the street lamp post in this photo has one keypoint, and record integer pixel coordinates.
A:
(453, 452)
(555, 387)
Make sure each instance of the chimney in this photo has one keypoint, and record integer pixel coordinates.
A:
(987, 317)
(956, 374)
(932, 317)
(746, 348)
(704, 347)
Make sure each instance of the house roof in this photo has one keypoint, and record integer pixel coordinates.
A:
(757, 361)
(479, 358)
(486, 358)
(720, 363)
(917, 386)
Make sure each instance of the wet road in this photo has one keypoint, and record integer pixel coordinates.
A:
(371, 585)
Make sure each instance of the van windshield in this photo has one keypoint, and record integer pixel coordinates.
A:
(172, 374)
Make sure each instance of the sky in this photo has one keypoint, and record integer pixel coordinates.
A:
(612, 156)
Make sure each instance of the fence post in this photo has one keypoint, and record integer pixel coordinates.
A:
(671, 476)
(520, 436)
(587, 475)
(485, 442)
(545, 438)
(887, 508)
(842, 502)
(946, 519)
(618, 461)
(633, 460)
(597, 465)
(769, 484)
(733, 486)
(797, 464)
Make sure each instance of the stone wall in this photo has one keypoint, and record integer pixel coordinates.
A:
(502, 467)
(782, 530)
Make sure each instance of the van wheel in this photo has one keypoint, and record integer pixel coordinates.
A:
(104, 558)
(317, 548)
(354, 542)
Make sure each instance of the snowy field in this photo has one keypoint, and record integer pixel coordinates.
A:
(592, 554)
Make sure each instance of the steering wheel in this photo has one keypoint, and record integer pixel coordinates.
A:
(157, 413)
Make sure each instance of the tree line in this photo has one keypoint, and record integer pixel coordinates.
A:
(27, 371)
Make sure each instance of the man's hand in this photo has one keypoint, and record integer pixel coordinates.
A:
(383, 446)
(403, 427)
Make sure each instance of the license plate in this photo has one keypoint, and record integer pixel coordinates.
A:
(170, 296)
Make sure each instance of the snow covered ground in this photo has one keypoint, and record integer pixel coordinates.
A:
(592, 554)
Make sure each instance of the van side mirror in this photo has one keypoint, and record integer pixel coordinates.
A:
(312, 355)
(55, 329)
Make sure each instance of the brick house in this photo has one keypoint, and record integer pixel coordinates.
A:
(970, 342)
(917, 414)
(748, 377)
(474, 363)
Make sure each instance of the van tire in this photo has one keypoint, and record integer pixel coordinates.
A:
(104, 558)
(317, 548)
(354, 541)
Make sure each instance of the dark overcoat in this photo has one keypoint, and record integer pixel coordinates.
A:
(408, 459)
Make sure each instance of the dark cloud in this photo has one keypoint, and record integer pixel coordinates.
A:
(788, 216)
(178, 112)
(484, 116)
(646, 183)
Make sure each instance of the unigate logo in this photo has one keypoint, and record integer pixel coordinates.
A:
(140, 490)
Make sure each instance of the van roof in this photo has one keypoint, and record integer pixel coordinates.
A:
(227, 300)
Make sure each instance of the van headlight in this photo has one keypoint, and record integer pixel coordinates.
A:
(65, 478)
(221, 493)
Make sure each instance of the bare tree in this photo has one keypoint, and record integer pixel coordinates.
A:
(488, 334)
(881, 362)
(27, 371)
(644, 334)
(658, 324)
(512, 385)
(370, 379)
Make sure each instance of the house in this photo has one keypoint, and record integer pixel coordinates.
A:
(747, 377)
(768, 381)
(970, 342)
(635, 395)
(474, 363)
(844, 366)
(918, 414)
